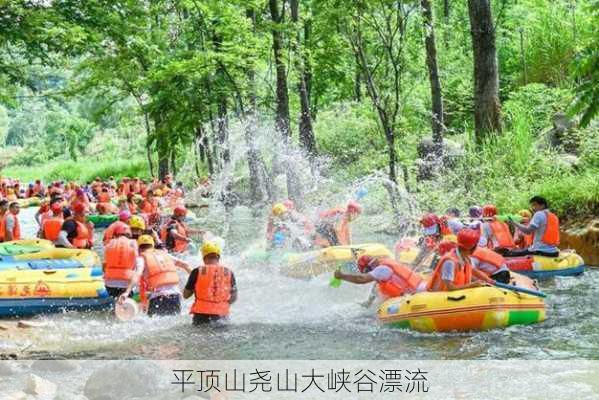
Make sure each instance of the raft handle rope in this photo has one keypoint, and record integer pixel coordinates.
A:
(462, 297)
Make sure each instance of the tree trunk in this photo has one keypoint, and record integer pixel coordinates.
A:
(223, 131)
(282, 122)
(487, 108)
(306, 133)
(392, 154)
(162, 147)
(433, 75)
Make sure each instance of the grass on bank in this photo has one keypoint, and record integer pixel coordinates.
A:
(86, 169)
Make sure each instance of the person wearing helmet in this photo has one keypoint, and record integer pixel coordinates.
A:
(131, 203)
(277, 228)
(175, 234)
(393, 279)
(76, 231)
(157, 279)
(10, 227)
(475, 213)
(213, 286)
(454, 270)
(120, 260)
(495, 234)
(333, 226)
(122, 223)
(80, 198)
(521, 239)
(544, 226)
(450, 222)
(122, 203)
(491, 264)
(139, 227)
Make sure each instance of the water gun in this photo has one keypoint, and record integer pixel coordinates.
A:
(501, 218)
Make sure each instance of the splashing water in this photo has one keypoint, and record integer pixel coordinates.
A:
(279, 317)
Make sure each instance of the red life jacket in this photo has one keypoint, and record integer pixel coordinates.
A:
(408, 281)
(212, 291)
(462, 272)
(51, 227)
(109, 232)
(444, 226)
(119, 259)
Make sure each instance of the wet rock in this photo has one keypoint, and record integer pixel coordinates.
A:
(121, 379)
(41, 388)
(582, 236)
(54, 365)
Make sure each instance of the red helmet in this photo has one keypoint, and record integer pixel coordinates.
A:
(122, 229)
(79, 208)
(354, 208)
(56, 207)
(364, 262)
(445, 247)
(180, 211)
(429, 220)
(468, 238)
(489, 210)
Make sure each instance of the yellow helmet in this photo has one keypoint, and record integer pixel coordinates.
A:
(279, 209)
(145, 239)
(157, 192)
(525, 214)
(137, 198)
(137, 222)
(122, 198)
(210, 248)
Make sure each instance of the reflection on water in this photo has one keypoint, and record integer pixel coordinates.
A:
(278, 317)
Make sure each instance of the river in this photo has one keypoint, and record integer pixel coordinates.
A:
(283, 318)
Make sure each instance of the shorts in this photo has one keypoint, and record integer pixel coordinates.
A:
(115, 292)
(165, 305)
(203, 319)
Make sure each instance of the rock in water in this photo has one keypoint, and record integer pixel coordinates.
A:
(584, 238)
(40, 387)
(122, 379)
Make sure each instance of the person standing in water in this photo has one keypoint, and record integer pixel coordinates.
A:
(10, 228)
(157, 276)
(213, 286)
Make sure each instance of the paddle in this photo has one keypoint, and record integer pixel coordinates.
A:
(520, 289)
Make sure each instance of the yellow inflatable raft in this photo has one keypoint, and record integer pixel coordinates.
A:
(45, 291)
(462, 310)
(313, 263)
(50, 258)
(29, 202)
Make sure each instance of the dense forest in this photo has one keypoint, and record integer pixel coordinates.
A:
(454, 100)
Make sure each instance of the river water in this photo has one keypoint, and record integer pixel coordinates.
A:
(283, 318)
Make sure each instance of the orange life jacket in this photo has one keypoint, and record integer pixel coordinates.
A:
(149, 207)
(212, 291)
(119, 259)
(16, 230)
(84, 238)
(132, 208)
(160, 269)
(462, 273)
(51, 227)
(408, 278)
(488, 256)
(551, 235)
(501, 233)
(135, 187)
(179, 245)
(109, 232)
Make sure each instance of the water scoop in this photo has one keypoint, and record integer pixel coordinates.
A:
(127, 310)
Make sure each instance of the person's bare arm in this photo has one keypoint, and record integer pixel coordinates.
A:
(359, 279)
